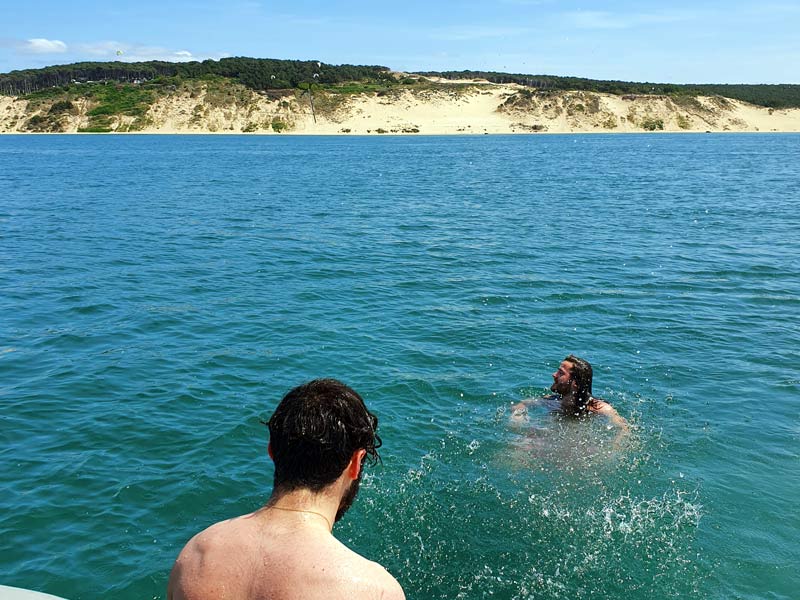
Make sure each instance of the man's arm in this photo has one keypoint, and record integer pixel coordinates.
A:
(372, 580)
(604, 408)
(623, 429)
(392, 589)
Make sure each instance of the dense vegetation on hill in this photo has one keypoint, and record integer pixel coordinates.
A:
(773, 96)
(255, 73)
(267, 73)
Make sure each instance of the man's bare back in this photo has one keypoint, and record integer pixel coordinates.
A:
(276, 556)
(321, 435)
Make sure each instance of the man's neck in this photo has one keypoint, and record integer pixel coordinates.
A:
(321, 507)
(569, 404)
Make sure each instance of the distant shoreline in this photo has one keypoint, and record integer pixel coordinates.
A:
(444, 108)
(386, 135)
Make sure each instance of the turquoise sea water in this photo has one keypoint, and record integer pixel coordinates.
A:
(161, 293)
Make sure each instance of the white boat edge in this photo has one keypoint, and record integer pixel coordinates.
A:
(13, 593)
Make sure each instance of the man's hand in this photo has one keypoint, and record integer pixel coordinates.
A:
(519, 411)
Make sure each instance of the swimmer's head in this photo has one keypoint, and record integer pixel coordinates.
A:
(574, 375)
(314, 432)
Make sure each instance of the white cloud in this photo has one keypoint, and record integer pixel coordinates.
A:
(42, 46)
(592, 19)
(100, 49)
(146, 53)
(135, 52)
(103, 50)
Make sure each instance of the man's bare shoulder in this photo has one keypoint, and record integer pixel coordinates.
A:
(598, 405)
(381, 583)
(356, 577)
(601, 407)
(275, 564)
(204, 565)
(216, 538)
(391, 589)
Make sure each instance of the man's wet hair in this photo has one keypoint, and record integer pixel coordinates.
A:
(314, 432)
(581, 374)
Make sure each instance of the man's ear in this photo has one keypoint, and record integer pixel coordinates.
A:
(356, 461)
(269, 451)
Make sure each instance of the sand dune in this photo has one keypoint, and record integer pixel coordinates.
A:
(450, 108)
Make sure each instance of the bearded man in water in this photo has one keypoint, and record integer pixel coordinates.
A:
(572, 384)
(320, 437)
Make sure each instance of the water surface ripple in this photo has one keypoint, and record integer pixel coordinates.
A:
(160, 294)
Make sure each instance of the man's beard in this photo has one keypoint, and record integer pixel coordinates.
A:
(347, 500)
(562, 390)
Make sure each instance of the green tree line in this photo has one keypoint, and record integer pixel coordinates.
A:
(268, 73)
(773, 96)
(255, 73)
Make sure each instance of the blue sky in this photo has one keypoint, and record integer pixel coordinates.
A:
(733, 41)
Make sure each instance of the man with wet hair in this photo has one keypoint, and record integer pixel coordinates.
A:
(321, 436)
(572, 384)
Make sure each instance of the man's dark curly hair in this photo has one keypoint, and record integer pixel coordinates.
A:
(314, 432)
(581, 374)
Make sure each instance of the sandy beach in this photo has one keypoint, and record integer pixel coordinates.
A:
(455, 108)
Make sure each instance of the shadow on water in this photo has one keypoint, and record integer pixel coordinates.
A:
(552, 509)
